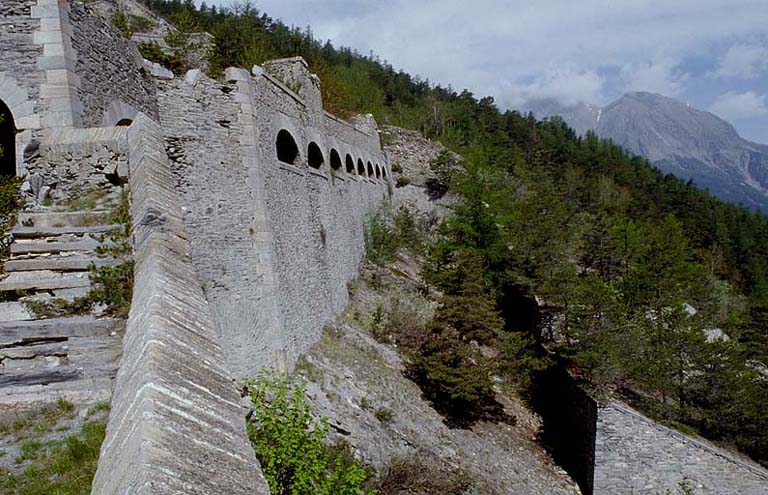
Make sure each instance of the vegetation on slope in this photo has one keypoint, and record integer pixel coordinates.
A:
(49, 463)
(613, 246)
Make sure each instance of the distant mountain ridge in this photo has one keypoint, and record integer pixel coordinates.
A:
(678, 139)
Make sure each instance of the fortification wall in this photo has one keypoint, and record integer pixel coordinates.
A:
(176, 425)
(113, 82)
(273, 243)
(634, 454)
(19, 51)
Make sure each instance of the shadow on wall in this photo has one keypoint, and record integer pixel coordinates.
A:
(569, 428)
(7, 141)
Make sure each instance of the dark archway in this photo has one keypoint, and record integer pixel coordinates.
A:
(378, 171)
(384, 172)
(360, 167)
(370, 169)
(287, 151)
(335, 160)
(124, 122)
(350, 164)
(7, 141)
(315, 155)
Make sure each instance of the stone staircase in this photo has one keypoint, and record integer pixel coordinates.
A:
(44, 358)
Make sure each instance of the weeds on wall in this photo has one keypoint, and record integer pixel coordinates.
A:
(290, 444)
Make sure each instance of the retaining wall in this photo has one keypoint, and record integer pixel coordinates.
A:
(634, 454)
(176, 425)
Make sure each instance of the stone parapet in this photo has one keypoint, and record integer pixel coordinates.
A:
(176, 424)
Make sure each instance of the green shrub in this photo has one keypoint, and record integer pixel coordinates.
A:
(418, 474)
(290, 446)
(397, 168)
(402, 181)
(380, 241)
(153, 53)
(139, 24)
(120, 21)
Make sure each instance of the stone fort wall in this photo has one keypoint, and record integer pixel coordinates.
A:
(634, 454)
(274, 243)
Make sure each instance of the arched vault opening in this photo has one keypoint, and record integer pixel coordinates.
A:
(7, 141)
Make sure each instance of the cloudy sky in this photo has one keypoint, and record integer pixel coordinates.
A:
(712, 54)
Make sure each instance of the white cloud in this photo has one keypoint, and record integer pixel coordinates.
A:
(739, 106)
(516, 50)
(742, 61)
(659, 76)
(568, 86)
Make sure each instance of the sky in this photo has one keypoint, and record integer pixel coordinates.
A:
(712, 54)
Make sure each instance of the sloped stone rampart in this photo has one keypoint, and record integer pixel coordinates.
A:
(176, 425)
(634, 454)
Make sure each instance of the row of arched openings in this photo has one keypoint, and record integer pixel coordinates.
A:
(288, 152)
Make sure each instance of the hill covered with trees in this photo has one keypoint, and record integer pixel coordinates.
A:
(641, 268)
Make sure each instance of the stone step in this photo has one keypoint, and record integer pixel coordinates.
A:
(86, 352)
(45, 376)
(60, 264)
(15, 311)
(21, 232)
(19, 333)
(63, 218)
(27, 247)
(44, 280)
(18, 399)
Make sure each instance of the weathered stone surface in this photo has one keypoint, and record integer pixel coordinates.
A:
(21, 232)
(176, 425)
(14, 311)
(110, 68)
(59, 219)
(13, 333)
(43, 280)
(633, 454)
(86, 244)
(61, 264)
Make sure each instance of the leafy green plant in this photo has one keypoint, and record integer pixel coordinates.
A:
(120, 21)
(380, 241)
(290, 444)
(402, 181)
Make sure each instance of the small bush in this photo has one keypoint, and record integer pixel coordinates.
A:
(380, 241)
(383, 414)
(153, 53)
(416, 474)
(402, 181)
(139, 24)
(397, 168)
(120, 21)
(290, 446)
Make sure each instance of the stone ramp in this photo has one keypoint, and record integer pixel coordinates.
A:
(42, 359)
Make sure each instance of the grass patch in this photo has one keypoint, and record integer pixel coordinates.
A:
(60, 467)
(37, 423)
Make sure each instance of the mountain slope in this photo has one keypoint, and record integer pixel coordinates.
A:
(681, 140)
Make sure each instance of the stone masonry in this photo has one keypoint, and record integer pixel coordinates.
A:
(249, 204)
(634, 454)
